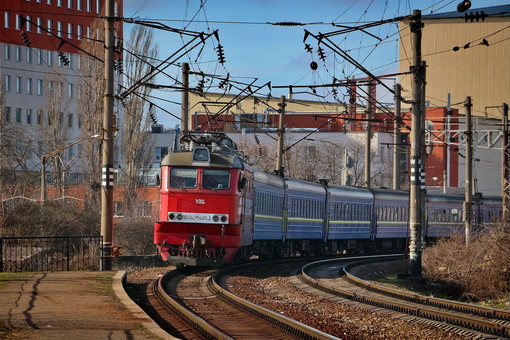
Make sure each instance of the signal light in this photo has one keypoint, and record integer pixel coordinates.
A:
(463, 6)
(25, 39)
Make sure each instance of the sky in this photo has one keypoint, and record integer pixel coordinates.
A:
(258, 52)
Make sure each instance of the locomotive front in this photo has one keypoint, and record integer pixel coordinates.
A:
(206, 194)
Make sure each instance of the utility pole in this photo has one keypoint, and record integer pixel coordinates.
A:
(368, 143)
(505, 167)
(468, 201)
(416, 181)
(281, 132)
(107, 141)
(396, 138)
(185, 99)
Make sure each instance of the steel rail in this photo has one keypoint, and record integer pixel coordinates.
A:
(473, 323)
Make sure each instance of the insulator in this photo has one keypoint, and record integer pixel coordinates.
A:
(320, 51)
(24, 38)
(308, 48)
(221, 55)
(63, 58)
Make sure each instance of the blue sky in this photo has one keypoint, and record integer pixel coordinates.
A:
(255, 49)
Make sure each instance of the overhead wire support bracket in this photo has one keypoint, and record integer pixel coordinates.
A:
(167, 62)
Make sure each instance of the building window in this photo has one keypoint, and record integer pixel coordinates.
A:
(39, 25)
(89, 5)
(59, 3)
(28, 52)
(18, 22)
(98, 6)
(69, 3)
(78, 32)
(59, 28)
(39, 56)
(7, 113)
(6, 19)
(69, 31)
(18, 115)
(7, 51)
(18, 84)
(70, 120)
(70, 90)
(28, 23)
(160, 152)
(39, 117)
(7, 85)
(40, 86)
(29, 116)
(29, 85)
(49, 26)
(50, 58)
(48, 2)
(17, 52)
(78, 5)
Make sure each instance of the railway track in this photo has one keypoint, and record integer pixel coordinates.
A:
(467, 319)
(198, 303)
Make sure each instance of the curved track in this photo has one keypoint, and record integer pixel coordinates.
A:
(200, 301)
(468, 319)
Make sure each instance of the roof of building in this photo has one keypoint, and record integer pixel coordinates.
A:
(502, 11)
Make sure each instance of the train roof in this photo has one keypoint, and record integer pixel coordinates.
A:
(299, 184)
(217, 160)
(390, 195)
(269, 179)
(353, 192)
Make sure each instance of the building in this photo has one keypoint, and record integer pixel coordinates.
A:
(467, 54)
(43, 46)
(465, 57)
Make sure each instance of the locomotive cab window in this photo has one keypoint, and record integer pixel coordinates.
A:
(183, 178)
(216, 179)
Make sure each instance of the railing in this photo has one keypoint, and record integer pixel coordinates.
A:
(59, 253)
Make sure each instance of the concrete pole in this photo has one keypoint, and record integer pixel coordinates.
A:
(107, 144)
(281, 132)
(505, 167)
(397, 138)
(185, 99)
(415, 196)
(368, 134)
(468, 201)
(43, 178)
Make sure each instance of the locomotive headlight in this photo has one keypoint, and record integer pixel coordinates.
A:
(171, 216)
(215, 218)
(179, 217)
(223, 218)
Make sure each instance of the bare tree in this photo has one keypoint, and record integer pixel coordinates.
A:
(135, 145)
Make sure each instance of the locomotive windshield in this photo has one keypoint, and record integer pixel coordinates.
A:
(216, 179)
(183, 178)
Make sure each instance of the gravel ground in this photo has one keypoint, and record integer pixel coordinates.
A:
(277, 292)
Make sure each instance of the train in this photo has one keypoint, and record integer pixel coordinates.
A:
(216, 209)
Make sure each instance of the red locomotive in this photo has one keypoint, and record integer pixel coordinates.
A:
(206, 195)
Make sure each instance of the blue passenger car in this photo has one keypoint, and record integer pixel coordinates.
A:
(444, 214)
(350, 213)
(391, 213)
(306, 210)
(270, 207)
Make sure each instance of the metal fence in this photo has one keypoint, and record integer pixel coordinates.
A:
(59, 253)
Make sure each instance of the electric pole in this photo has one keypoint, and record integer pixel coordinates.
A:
(368, 143)
(417, 167)
(281, 132)
(505, 167)
(396, 138)
(185, 99)
(107, 141)
(468, 201)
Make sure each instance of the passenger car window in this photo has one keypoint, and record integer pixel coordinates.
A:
(216, 179)
(183, 178)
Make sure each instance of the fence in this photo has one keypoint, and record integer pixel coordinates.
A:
(59, 253)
